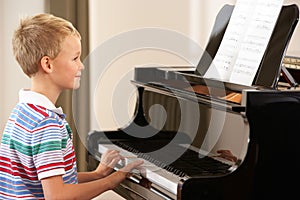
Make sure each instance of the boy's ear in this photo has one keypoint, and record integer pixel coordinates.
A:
(46, 64)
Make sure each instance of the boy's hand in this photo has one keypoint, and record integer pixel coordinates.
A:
(137, 164)
(109, 159)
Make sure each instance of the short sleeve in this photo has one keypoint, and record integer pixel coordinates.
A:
(49, 139)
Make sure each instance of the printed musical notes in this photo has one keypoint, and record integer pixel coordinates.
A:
(245, 41)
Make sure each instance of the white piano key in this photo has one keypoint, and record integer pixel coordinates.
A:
(153, 173)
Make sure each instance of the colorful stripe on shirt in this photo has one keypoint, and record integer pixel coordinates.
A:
(36, 144)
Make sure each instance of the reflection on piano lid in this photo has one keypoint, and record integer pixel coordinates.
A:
(212, 144)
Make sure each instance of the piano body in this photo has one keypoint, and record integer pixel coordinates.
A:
(207, 139)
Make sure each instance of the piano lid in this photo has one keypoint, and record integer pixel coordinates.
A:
(271, 63)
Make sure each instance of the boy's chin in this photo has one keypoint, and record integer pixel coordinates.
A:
(76, 85)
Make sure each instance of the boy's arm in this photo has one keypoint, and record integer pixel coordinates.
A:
(54, 187)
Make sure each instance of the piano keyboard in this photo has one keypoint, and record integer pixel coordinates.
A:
(152, 172)
(168, 176)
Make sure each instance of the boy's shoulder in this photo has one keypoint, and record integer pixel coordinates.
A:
(36, 113)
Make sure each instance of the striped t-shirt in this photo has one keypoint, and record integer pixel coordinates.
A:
(36, 144)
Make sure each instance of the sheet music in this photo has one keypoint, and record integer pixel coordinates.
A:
(245, 41)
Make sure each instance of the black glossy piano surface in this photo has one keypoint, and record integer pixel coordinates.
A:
(257, 132)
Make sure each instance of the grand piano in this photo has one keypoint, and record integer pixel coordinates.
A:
(207, 139)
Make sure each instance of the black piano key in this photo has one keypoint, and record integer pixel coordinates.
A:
(190, 163)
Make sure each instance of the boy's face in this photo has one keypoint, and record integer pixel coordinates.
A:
(67, 66)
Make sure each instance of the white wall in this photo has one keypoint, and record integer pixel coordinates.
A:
(11, 76)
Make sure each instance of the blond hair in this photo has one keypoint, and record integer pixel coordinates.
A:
(38, 36)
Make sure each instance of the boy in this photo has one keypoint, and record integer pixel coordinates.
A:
(37, 159)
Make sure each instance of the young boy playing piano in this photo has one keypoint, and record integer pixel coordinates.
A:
(37, 159)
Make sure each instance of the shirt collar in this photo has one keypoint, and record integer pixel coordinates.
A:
(28, 96)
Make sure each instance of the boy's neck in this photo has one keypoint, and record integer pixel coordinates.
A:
(51, 93)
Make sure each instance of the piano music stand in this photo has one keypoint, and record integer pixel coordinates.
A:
(271, 64)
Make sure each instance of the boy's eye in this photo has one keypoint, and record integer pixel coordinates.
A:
(76, 58)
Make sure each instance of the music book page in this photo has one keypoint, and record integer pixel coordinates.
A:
(245, 41)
